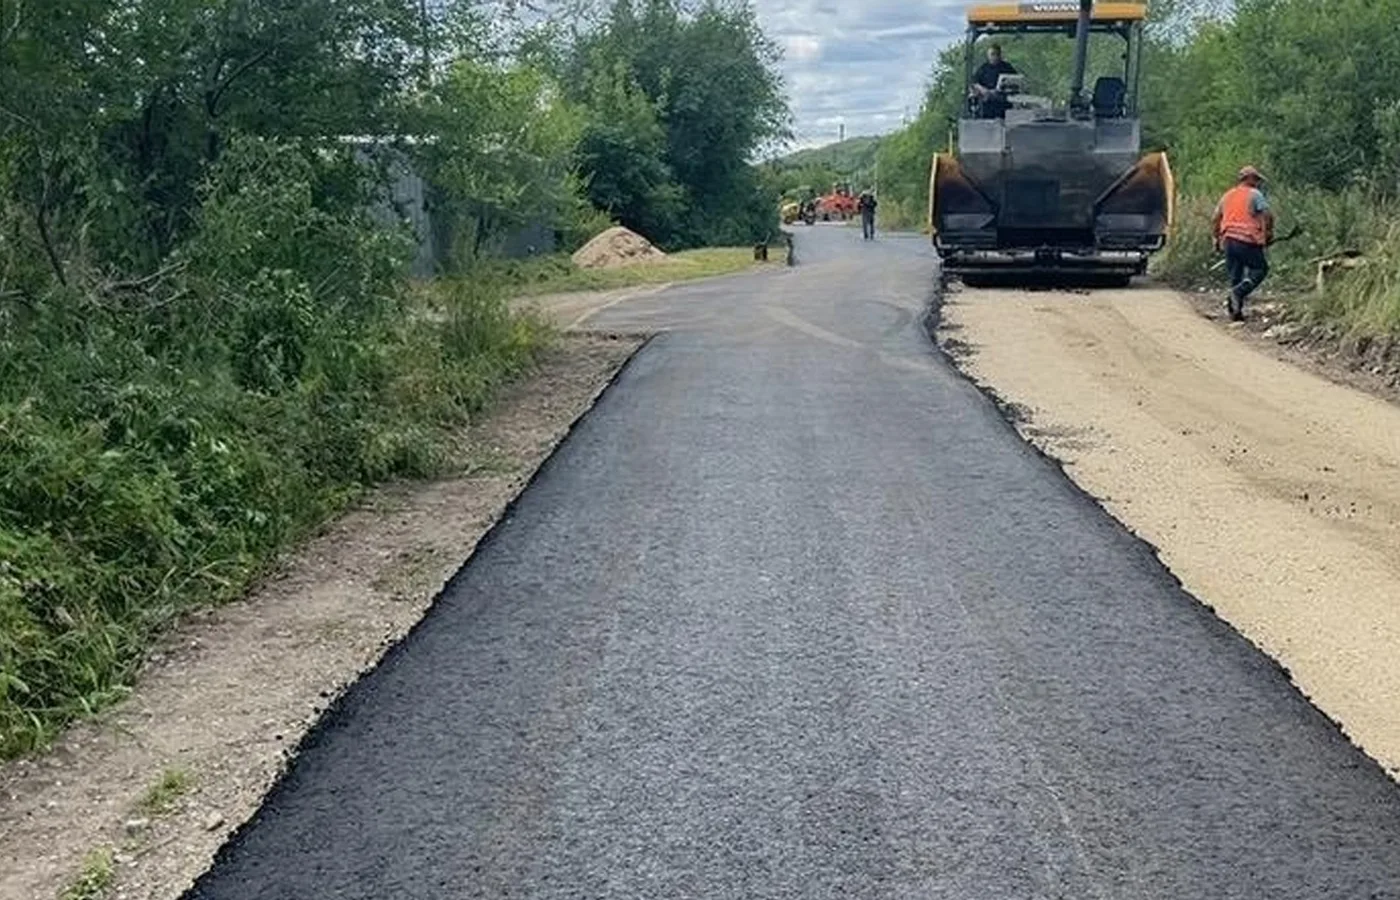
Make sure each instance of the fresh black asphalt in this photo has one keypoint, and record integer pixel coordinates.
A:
(794, 614)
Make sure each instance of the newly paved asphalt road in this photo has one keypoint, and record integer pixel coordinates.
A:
(794, 614)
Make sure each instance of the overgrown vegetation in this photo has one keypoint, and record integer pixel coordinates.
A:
(1308, 91)
(208, 339)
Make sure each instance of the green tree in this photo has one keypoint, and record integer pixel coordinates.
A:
(117, 107)
(500, 149)
(623, 152)
(711, 78)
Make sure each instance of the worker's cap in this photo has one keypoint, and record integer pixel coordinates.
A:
(1249, 172)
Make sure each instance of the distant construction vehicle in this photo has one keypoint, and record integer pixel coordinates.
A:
(1036, 186)
(838, 206)
(804, 210)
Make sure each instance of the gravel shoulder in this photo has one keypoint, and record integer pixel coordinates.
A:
(1372, 366)
(1268, 489)
(219, 706)
(574, 309)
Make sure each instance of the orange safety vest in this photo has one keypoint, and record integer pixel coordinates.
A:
(1238, 221)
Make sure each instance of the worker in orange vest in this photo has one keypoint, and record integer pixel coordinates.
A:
(1244, 229)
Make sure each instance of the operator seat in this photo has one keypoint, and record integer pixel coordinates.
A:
(1110, 93)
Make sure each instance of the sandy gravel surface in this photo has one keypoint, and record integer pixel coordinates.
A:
(1273, 494)
(227, 696)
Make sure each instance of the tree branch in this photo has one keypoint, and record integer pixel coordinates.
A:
(141, 284)
(41, 218)
(212, 101)
(19, 297)
(17, 117)
(109, 305)
(211, 88)
(9, 32)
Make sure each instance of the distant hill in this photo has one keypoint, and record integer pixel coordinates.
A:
(850, 157)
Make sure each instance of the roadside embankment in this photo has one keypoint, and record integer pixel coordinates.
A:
(1336, 281)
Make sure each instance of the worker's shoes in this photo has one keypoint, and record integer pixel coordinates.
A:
(1235, 307)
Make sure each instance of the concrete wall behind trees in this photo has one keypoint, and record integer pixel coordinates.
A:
(410, 200)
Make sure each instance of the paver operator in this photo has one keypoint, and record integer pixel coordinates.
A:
(1243, 226)
(983, 89)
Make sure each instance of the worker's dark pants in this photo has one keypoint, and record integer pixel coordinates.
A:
(992, 107)
(867, 225)
(1247, 265)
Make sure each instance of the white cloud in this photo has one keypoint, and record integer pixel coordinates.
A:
(802, 48)
(862, 63)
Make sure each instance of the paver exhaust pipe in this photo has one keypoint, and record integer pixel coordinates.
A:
(1081, 53)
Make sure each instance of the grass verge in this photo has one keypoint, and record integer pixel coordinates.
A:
(902, 215)
(557, 274)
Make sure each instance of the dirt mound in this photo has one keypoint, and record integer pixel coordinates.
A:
(614, 248)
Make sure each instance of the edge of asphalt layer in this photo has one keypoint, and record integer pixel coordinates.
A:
(334, 709)
(1005, 413)
(1011, 413)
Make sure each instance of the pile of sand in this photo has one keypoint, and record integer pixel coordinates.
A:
(614, 248)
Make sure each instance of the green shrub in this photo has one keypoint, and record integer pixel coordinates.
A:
(583, 224)
(157, 451)
(95, 879)
(1189, 254)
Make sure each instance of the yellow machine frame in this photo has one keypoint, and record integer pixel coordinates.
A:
(1067, 12)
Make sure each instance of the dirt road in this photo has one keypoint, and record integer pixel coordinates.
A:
(1272, 493)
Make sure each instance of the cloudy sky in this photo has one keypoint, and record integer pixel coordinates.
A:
(862, 62)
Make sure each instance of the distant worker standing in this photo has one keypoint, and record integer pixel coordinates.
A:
(867, 207)
(1244, 228)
